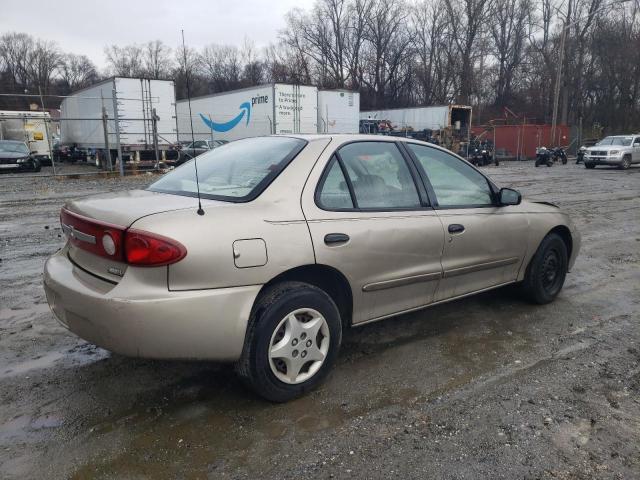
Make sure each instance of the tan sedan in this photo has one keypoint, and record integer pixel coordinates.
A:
(298, 237)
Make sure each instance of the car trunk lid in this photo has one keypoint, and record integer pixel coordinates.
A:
(86, 220)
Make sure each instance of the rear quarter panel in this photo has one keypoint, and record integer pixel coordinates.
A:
(275, 217)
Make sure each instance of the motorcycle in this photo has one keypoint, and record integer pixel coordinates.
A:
(559, 155)
(475, 156)
(481, 154)
(544, 156)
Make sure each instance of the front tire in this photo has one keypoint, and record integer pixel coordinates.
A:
(589, 165)
(626, 163)
(547, 270)
(292, 340)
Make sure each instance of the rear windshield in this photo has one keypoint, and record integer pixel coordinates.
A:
(238, 171)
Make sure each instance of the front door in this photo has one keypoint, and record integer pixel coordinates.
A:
(369, 218)
(484, 243)
(636, 150)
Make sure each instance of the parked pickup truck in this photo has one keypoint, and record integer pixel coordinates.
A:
(618, 150)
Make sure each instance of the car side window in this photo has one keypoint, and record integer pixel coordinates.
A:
(636, 142)
(379, 175)
(455, 183)
(333, 193)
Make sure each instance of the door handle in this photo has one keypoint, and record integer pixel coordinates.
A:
(456, 228)
(335, 238)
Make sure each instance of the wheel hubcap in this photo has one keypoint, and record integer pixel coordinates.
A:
(299, 346)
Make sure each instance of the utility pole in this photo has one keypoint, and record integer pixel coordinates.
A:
(556, 93)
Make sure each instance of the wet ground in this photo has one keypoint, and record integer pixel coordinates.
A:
(486, 387)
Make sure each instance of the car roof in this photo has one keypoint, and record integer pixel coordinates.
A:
(354, 137)
(11, 141)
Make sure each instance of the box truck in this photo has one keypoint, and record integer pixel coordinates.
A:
(140, 111)
(30, 127)
(263, 110)
(338, 111)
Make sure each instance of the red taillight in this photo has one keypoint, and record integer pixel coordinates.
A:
(89, 234)
(150, 250)
(135, 247)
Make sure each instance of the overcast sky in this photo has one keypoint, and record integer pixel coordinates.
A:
(86, 26)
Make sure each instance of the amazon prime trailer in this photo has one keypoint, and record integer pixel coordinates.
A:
(250, 112)
(129, 117)
(276, 108)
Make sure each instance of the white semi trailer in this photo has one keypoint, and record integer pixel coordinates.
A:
(31, 127)
(338, 111)
(276, 108)
(145, 126)
(454, 117)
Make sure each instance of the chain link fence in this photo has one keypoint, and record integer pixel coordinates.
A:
(128, 136)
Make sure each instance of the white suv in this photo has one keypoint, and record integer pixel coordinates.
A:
(619, 150)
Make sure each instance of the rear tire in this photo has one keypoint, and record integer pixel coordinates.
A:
(277, 341)
(547, 270)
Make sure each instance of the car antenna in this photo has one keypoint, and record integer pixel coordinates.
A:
(200, 211)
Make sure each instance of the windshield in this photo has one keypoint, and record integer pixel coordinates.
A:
(238, 171)
(622, 141)
(14, 147)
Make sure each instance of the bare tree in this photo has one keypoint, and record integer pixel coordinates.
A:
(221, 67)
(77, 71)
(125, 61)
(156, 59)
(252, 64)
(435, 72)
(466, 20)
(510, 21)
(42, 62)
(386, 49)
(15, 50)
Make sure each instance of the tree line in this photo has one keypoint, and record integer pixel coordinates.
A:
(501, 56)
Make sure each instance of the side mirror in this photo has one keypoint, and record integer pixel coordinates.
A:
(509, 196)
(33, 152)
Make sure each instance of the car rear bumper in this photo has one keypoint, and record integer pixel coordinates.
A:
(151, 322)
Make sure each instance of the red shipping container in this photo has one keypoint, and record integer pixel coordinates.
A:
(521, 141)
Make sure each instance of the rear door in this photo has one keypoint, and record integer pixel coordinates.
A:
(369, 218)
(484, 243)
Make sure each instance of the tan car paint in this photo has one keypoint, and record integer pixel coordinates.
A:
(199, 307)
(487, 253)
(383, 247)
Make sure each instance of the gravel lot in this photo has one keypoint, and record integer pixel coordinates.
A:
(486, 387)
